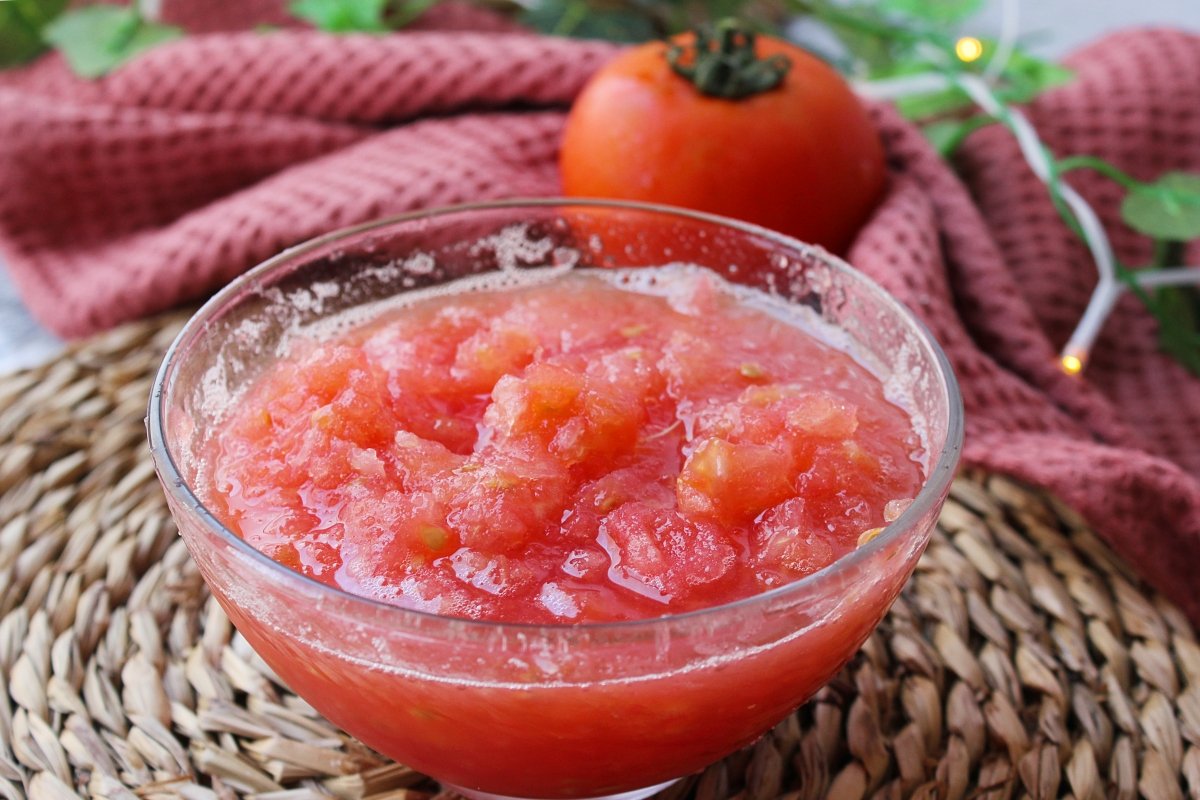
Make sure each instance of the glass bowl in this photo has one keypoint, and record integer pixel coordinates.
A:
(545, 711)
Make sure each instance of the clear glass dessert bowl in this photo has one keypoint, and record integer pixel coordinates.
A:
(507, 709)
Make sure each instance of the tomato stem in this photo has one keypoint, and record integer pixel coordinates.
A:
(724, 64)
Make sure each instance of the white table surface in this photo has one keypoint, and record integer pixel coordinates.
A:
(1050, 27)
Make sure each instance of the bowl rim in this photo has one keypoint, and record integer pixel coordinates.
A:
(174, 484)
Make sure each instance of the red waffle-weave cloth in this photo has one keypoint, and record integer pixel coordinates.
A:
(159, 183)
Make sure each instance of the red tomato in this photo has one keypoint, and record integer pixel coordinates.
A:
(802, 158)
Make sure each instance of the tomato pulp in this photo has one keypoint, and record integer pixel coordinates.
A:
(572, 451)
(589, 447)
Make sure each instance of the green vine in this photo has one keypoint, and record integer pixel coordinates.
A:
(1168, 212)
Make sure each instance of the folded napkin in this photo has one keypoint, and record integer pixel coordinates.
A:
(159, 183)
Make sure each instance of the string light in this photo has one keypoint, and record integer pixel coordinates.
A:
(1074, 356)
(968, 49)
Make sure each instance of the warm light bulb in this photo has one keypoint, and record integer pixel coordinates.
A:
(1072, 364)
(968, 49)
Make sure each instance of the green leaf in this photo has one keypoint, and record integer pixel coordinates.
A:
(873, 52)
(1169, 208)
(1178, 312)
(21, 23)
(577, 19)
(1027, 76)
(933, 104)
(872, 56)
(342, 16)
(97, 39)
(947, 135)
(941, 12)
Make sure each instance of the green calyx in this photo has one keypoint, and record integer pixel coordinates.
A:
(723, 63)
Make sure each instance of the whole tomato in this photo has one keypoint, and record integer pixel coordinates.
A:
(748, 127)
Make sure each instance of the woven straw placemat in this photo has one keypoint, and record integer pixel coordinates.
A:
(1023, 659)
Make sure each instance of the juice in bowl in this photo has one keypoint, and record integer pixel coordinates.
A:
(555, 499)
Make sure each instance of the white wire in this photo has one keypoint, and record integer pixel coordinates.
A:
(1006, 43)
(1167, 276)
(1107, 288)
(894, 88)
(150, 9)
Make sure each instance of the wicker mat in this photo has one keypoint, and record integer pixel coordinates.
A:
(1022, 660)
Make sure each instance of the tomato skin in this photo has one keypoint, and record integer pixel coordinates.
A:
(803, 158)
